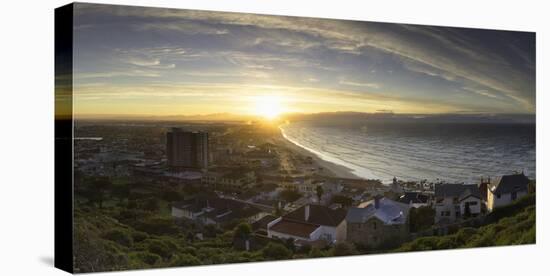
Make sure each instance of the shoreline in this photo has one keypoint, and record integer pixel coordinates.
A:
(330, 169)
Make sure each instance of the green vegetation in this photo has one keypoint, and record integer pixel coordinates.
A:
(421, 218)
(511, 225)
(121, 225)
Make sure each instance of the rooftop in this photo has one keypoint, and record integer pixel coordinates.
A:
(318, 214)
(509, 183)
(294, 228)
(413, 197)
(388, 211)
(219, 209)
(456, 190)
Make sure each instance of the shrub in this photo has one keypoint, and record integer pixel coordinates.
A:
(139, 236)
(184, 260)
(163, 248)
(147, 257)
(344, 249)
(119, 236)
(275, 251)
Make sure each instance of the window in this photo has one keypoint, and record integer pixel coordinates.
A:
(472, 203)
(498, 195)
(514, 195)
(442, 213)
(374, 225)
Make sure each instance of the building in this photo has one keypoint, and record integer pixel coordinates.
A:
(310, 223)
(505, 189)
(454, 201)
(186, 149)
(415, 199)
(215, 210)
(377, 221)
(237, 179)
(395, 187)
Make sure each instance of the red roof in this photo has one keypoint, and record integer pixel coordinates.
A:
(294, 228)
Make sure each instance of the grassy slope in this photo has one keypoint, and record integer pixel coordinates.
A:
(510, 225)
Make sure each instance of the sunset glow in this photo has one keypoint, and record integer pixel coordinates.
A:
(268, 106)
(213, 62)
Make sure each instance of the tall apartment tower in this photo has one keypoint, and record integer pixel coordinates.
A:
(186, 149)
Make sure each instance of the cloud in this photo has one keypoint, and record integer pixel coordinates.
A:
(114, 74)
(496, 66)
(360, 84)
(183, 27)
(483, 92)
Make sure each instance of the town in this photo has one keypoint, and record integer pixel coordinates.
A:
(242, 182)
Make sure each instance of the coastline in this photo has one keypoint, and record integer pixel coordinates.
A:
(330, 169)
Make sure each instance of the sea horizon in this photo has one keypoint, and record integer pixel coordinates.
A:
(477, 151)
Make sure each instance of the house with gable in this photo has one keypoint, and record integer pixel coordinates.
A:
(377, 221)
(310, 223)
(505, 189)
(454, 201)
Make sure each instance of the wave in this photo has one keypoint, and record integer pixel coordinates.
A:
(450, 153)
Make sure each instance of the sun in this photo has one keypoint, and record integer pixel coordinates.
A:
(268, 106)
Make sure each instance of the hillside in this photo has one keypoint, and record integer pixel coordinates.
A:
(510, 225)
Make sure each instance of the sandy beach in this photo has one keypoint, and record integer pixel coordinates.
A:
(329, 168)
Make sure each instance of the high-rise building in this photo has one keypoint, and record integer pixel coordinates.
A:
(187, 149)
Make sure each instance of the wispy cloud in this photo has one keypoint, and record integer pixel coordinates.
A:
(360, 84)
(413, 63)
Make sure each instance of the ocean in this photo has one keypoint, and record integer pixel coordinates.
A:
(449, 152)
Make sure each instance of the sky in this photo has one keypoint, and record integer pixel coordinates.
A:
(150, 61)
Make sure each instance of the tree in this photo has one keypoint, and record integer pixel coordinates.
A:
(276, 251)
(99, 187)
(289, 243)
(421, 218)
(319, 191)
(242, 231)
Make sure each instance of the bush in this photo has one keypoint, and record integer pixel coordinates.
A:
(157, 226)
(147, 257)
(344, 249)
(163, 248)
(421, 218)
(119, 236)
(139, 236)
(275, 251)
(184, 260)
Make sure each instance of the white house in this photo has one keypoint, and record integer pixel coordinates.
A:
(310, 223)
(453, 201)
(503, 190)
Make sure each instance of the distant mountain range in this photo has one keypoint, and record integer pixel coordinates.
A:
(429, 118)
(334, 116)
(198, 117)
